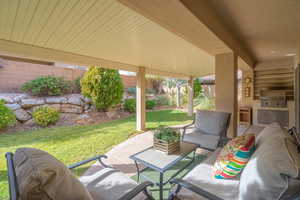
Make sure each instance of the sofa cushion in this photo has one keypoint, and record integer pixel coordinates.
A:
(109, 184)
(270, 131)
(202, 139)
(211, 122)
(266, 174)
(234, 156)
(40, 176)
(201, 176)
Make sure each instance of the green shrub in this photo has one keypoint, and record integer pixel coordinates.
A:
(197, 88)
(7, 117)
(47, 86)
(150, 104)
(76, 85)
(162, 100)
(167, 134)
(103, 86)
(45, 116)
(130, 105)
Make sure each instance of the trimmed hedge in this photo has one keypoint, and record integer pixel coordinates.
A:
(130, 105)
(45, 116)
(150, 104)
(7, 117)
(103, 86)
(47, 86)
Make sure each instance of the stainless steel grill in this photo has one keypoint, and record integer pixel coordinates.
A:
(273, 98)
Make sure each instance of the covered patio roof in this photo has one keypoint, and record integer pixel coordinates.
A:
(177, 38)
(102, 32)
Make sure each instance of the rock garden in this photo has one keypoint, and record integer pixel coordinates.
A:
(56, 95)
(98, 96)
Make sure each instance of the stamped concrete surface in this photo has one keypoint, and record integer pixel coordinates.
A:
(118, 156)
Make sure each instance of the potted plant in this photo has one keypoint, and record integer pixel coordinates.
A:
(166, 139)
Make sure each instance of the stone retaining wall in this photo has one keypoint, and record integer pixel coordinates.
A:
(23, 104)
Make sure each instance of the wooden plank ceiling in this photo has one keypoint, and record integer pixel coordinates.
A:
(103, 29)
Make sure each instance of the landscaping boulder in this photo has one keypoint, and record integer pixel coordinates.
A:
(56, 100)
(69, 108)
(13, 106)
(30, 123)
(28, 103)
(56, 106)
(19, 97)
(87, 107)
(86, 100)
(22, 115)
(75, 99)
(6, 98)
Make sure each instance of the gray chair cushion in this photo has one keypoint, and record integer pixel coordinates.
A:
(202, 139)
(211, 122)
(40, 176)
(109, 184)
(202, 177)
(267, 172)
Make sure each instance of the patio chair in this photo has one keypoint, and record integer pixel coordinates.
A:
(36, 175)
(208, 129)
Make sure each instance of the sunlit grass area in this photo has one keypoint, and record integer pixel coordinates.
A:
(72, 144)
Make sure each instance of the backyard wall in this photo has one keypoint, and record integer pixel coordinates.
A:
(13, 73)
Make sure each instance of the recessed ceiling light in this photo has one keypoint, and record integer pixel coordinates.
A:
(290, 54)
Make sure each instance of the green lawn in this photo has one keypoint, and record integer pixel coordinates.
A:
(72, 144)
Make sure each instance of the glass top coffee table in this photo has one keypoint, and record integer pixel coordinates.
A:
(161, 162)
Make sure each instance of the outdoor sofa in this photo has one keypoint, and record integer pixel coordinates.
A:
(36, 175)
(272, 173)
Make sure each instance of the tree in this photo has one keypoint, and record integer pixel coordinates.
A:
(173, 84)
(156, 81)
(103, 86)
(197, 88)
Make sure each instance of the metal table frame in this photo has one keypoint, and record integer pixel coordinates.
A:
(161, 171)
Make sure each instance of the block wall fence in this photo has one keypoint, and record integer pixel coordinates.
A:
(14, 73)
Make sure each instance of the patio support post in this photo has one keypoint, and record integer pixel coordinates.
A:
(177, 96)
(227, 88)
(190, 87)
(140, 100)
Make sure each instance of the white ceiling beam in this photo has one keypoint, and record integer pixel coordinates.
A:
(9, 48)
(204, 11)
(196, 22)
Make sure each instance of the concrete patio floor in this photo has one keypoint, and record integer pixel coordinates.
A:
(118, 156)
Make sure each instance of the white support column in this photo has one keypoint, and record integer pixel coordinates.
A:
(140, 100)
(190, 87)
(297, 90)
(178, 96)
(227, 88)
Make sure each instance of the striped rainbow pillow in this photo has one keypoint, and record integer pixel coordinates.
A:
(234, 156)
